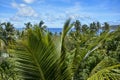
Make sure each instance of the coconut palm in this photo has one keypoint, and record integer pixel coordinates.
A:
(28, 25)
(42, 26)
(106, 27)
(8, 32)
(39, 57)
(107, 69)
(98, 25)
(77, 26)
(85, 28)
(93, 28)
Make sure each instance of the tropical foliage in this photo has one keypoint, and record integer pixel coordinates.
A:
(80, 52)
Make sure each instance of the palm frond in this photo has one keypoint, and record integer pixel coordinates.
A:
(108, 69)
(91, 45)
(67, 26)
(96, 43)
(38, 58)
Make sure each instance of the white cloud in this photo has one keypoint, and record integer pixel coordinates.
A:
(4, 19)
(24, 10)
(15, 5)
(29, 1)
(14, 18)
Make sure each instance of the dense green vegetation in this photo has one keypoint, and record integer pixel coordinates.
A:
(89, 52)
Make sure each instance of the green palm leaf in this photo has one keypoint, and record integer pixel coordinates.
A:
(67, 26)
(90, 45)
(107, 69)
(38, 58)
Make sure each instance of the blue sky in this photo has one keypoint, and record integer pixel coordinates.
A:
(55, 12)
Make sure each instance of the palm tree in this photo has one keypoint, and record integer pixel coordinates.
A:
(42, 26)
(106, 27)
(8, 32)
(39, 57)
(85, 28)
(42, 61)
(41, 23)
(93, 27)
(28, 25)
(107, 69)
(98, 25)
(77, 26)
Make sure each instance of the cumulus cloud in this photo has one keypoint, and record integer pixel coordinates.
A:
(24, 10)
(29, 1)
